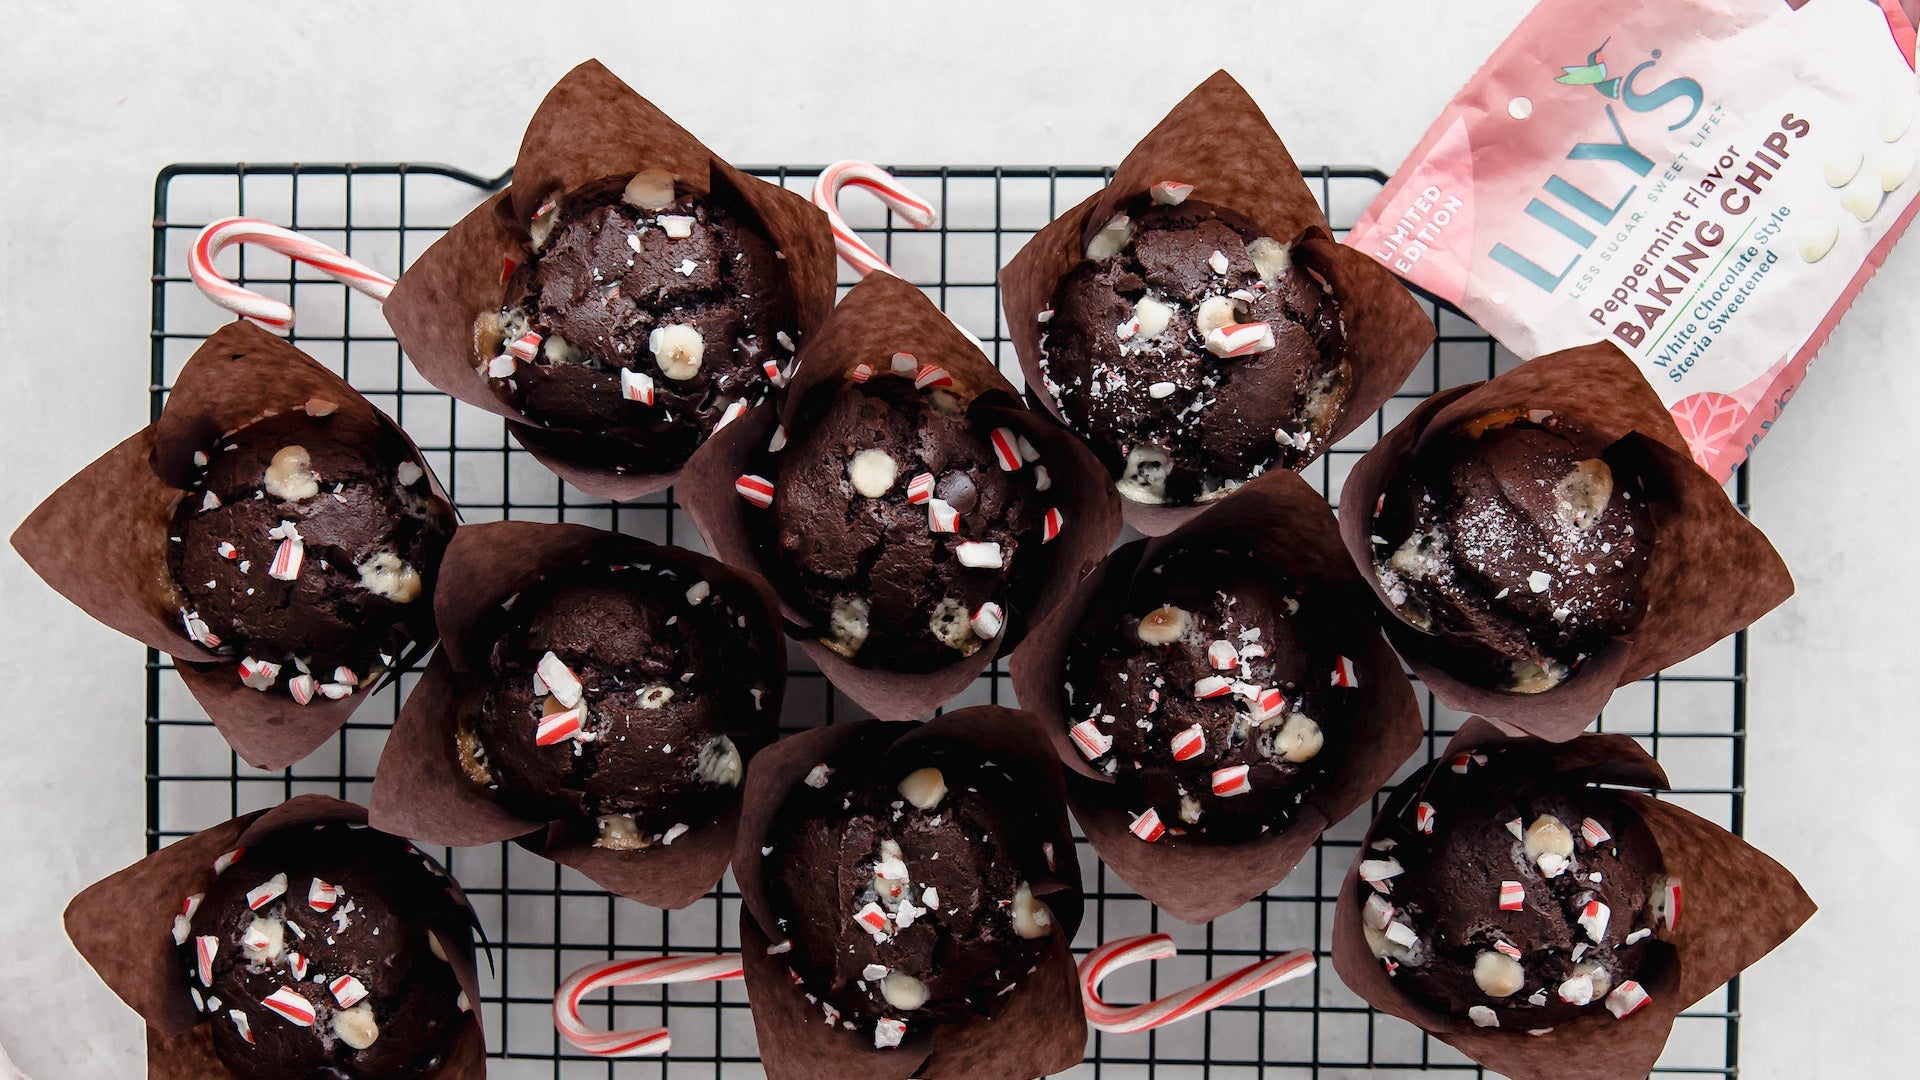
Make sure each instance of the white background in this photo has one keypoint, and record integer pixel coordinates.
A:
(96, 103)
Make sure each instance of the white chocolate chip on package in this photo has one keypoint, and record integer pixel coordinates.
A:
(1710, 214)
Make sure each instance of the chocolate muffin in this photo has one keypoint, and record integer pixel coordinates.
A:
(1191, 353)
(308, 546)
(897, 521)
(1520, 539)
(905, 898)
(648, 315)
(1514, 896)
(322, 953)
(1212, 693)
(620, 701)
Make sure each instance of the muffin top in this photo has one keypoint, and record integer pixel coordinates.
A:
(898, 523)
(1512, 896)
(322, 952)
(620, 700)
(904, 897)
(308, 546)
(1520, 538)
(1192, 354)
(1210, 691)
(645, 313)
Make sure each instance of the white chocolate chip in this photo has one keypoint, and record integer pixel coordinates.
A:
(290, 475)
(1582, 495)
(618, 832)
(655, 697)
(1547, 836)
(1152, 316)
(924, 788)
(1161, 390)
(1270, 258)
(1537, 675)
(1213, 313)
(1144, 479)
(1842, 166)
(387, 575)
(1299, 739)
(1218, 263)
(678, 349)
(1896, 164)
(438, 950)
(559, 350)
(651, 189)
(1111, 238)
(1863, 199)
(872, 472)
(355, 1026)
(1483, 1017)
(1163, 625)
(409, 474)
(1816, 238)
(1596, 975)
(719, 762)
(273, 933)
(1497, 974)
(542, 225)
(847, 625)
(676, 226)
(1896, 116)
(1577, 990)
(1031, 918)
(903, 992)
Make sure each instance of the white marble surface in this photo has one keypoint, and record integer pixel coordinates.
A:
(98, 102)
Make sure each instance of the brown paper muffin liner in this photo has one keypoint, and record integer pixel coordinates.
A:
(1712, 572)
(101, 539)
(420, 788)
(590, 126)
(1218, 140)
(1282, 521)
(1040, 1027)
(122, 926)
(879, 317)
(1738, 904)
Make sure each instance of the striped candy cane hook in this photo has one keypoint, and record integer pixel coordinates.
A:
(1126, 1019)
(269, 313)
(916, 211)
(642, 1042)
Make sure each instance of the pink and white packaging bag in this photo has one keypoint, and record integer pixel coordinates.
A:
(1705, 183)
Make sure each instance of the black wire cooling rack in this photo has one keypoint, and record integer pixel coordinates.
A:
(545, 920)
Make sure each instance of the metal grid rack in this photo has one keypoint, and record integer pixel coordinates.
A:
(544, 920)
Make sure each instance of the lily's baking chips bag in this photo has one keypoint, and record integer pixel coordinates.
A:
(1705, 183)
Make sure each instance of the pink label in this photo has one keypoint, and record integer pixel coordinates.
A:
(1705, 183)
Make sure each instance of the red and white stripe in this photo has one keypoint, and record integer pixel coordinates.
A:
(873, 919)
(1593, 919)
(987, 621)
(1672, 912)
(1509, 948)
(301, 688)
(1344, 673)
(1270, 703)
(1051, 524)
(1006, 448)
(1189, 744)
(297, 966)
(636, 386)
(272, 314)
(525, 347)
(1148, 826)
(1127, 1019)
(204, 948)
(1089, 739)
(1222, 656)
(774, 374)
(1240, 339)
(757, 490)
(220, 864)
(779, 440)
(876, 181)
(559, 679)
(287, 559)
(932, 375)
(1460, 763)
(594, 978)
(266, 893)
(1171, 192)
(1626, 999)
(348, 991)
(942, 517)
(1594, 833)
(559, 727)
(1423, 818)
(507, 266)
(1232, 780)
(291, 1007)
(1213, 686)
(258, 674)
(1513, 896)
(920, 488)
(860, 373)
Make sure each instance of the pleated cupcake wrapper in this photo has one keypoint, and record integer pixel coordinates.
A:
(590, 126)
(101, 540)
(1738, 904)
(1282, 521)
(879, 317)
(123, 927)
(1218, 140)
(421, 789)
(1712, 572)
(1037, 1029)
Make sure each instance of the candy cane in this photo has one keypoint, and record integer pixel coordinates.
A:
(269, 313)
(1126, 1019)
(641, 1042)
(861, 174)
